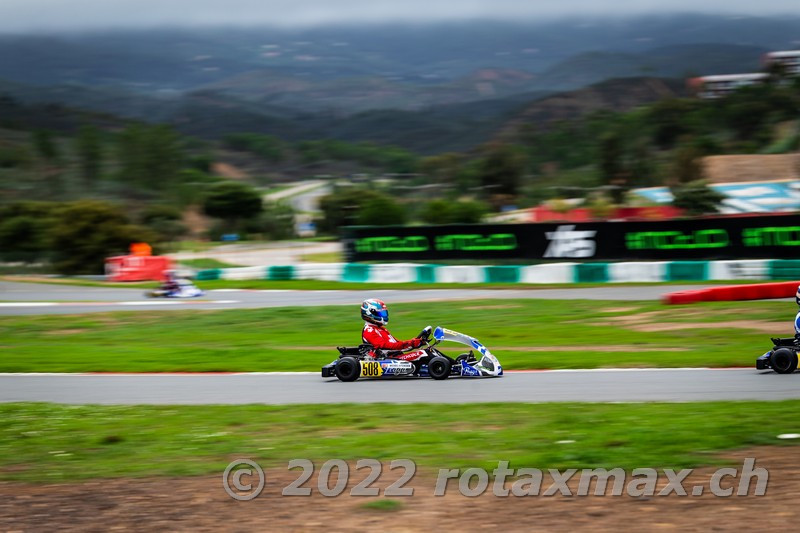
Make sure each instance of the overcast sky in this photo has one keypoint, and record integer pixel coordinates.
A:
(27, 15)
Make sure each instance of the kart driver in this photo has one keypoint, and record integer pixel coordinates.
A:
(170, 283)
(376, 316)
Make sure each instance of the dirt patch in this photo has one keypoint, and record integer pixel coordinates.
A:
(226, 170)
(763, 326)
(655, 321)
(64, 332)
(605, 348)
(196, 222)
(200, 504)
(618, 310)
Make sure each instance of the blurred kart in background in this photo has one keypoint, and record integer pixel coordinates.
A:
(357, 362)
(182, 289)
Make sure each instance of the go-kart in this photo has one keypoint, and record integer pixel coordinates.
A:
(782, 358)
(183, 290)
(356, 362)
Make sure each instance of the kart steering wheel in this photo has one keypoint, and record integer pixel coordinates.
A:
(425, 334)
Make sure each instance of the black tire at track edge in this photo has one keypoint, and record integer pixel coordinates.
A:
(439, 362)
(348, 369)
(786, 359)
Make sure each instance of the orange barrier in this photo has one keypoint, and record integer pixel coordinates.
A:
(137, 267)
(728, 293)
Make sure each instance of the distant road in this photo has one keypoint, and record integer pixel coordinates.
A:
(40, 298)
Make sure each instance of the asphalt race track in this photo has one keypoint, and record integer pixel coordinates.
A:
(641, 385)
(41, 298)
(606, 385)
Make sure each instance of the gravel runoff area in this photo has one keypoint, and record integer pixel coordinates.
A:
(201, 504)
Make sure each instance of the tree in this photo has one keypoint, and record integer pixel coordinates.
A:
(233, 202)
(267, 146)
(446, 212)
(277, 221)
(353, 206)
(501, 169)
(381, 210)
(165, 220)
(150, 156)
(87, 231)
(47, 148)
(25, 231)
(443, 168)
(687, 165)
(90, 151)
(670, 119)
(612, 167)
(696, 198)
(747, 112)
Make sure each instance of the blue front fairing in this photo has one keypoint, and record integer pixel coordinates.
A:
(469, 371)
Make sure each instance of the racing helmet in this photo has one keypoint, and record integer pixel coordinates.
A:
(375, 312)
(797, 296)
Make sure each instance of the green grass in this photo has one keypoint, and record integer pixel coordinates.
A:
(46, 442)
(523, 334)
(206, 262)
(383, 505)
(192, 246)
(324, 257)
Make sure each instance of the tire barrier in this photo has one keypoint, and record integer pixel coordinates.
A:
(546, 273)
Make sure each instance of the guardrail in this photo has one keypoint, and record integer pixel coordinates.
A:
(756, 291)
(621, 272)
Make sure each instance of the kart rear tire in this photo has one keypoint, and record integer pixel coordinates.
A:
(784, 360)
(439, 367)
(348, 369)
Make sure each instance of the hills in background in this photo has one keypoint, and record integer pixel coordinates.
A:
(427, 88)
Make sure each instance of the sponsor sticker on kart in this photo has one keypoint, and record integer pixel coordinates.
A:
(371, 369)
(376, 369)
(469, 371)
(397, 368)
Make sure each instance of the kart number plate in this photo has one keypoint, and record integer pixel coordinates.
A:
(371, 369)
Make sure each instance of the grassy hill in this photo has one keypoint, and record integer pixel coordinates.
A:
(617, 95)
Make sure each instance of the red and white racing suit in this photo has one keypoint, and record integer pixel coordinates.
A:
(380, 338)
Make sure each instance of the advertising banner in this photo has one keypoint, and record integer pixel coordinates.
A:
(769, 236)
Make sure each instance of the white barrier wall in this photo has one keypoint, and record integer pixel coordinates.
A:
(459, 274)
(240, 273)
(745, 269)
(320, 271)
(547, 273)
(551, 273)
(637, 272)
(393, 273)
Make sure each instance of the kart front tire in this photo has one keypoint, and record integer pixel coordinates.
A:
(439, 367)
(468, 357)
(784, 360)
(348, 369)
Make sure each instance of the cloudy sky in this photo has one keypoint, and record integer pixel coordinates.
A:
(27, 15)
